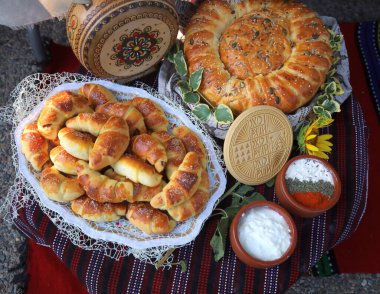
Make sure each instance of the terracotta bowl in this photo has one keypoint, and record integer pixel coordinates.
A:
(286, 199)
(238, 248)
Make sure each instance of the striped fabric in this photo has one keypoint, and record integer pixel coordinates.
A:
(369, 43)
(101, 274)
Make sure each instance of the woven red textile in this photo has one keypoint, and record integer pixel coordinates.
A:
(100, 274)
(47, 274)
(360, 252)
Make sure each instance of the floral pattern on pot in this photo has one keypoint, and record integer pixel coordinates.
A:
(136, 47)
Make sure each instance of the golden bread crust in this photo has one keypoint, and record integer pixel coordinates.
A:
(274, 53)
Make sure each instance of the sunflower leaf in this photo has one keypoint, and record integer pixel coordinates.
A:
(301, 137)
(196, 79)
(180, 63)
(191, 97)
(223, 114)
(202, 111)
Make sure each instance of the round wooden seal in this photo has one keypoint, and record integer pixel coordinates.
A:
(258, 144)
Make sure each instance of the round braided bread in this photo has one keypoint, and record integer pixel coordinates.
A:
(273, 53)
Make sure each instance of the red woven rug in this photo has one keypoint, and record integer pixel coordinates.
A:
(47, 274)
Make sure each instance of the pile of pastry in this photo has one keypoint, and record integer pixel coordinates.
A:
(114, 159)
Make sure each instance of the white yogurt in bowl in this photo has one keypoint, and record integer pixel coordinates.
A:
(264, 233)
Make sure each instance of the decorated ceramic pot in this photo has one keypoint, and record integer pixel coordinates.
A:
(121, 39)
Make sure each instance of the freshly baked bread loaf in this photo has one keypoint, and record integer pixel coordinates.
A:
(112, 133)
(140, 192)
(154, 117)
(175, 151)
(126, 111)
(63, 161)
(34, 146)
(98, 212)
(148, 219)
(192, 143)
(150, 149)
(274, 53)
(97, 94)
(137, 170)
(76, 143)
(182, 185)
(58, 187)
(58, 109)
(195, 204)
(100, 187)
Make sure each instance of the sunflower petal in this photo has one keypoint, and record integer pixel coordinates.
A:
(325, 137)
(311, 147)
(312, 136)
(324, 148)
(321, 155)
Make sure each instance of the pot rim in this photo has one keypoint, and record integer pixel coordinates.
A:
(333, 198)
(240, 251)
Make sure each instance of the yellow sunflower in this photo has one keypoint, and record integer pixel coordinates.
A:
(311, 142)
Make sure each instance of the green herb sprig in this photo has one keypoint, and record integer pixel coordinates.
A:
(241, 195)
(326, 104)
(189, 86)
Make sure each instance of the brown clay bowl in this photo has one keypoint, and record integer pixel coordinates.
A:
(286, 199)
(238, 248)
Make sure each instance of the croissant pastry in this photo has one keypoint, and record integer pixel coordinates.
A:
(149, 220)
(137, 171)
(150, 149)
(140, 192)
(58, 109)
(182, 185)
(98, 212)
(63, 161)
(97, 94)
(154, 117)
(112, 141)
(192, 143)
(126, 111)
(273, 53)
(100, 187)
(76, 143)
(34, 146)
(58, 187)
(195, 204)
(175, 151)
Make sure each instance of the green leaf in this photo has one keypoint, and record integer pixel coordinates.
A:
(244, 189)
(339, 89)
(301, 137)
(172, 52)
(331, 106)
(180, 63)
(331, 88)
(191, 97)
(270, 183)
(183, 265)
(321, 112)
(232, 211)
(196, 79)
(240, 200)
(184, 87)
(223, 114)
(218, 241)
(202, 111)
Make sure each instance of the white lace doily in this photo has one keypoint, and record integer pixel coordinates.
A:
(117, 238)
